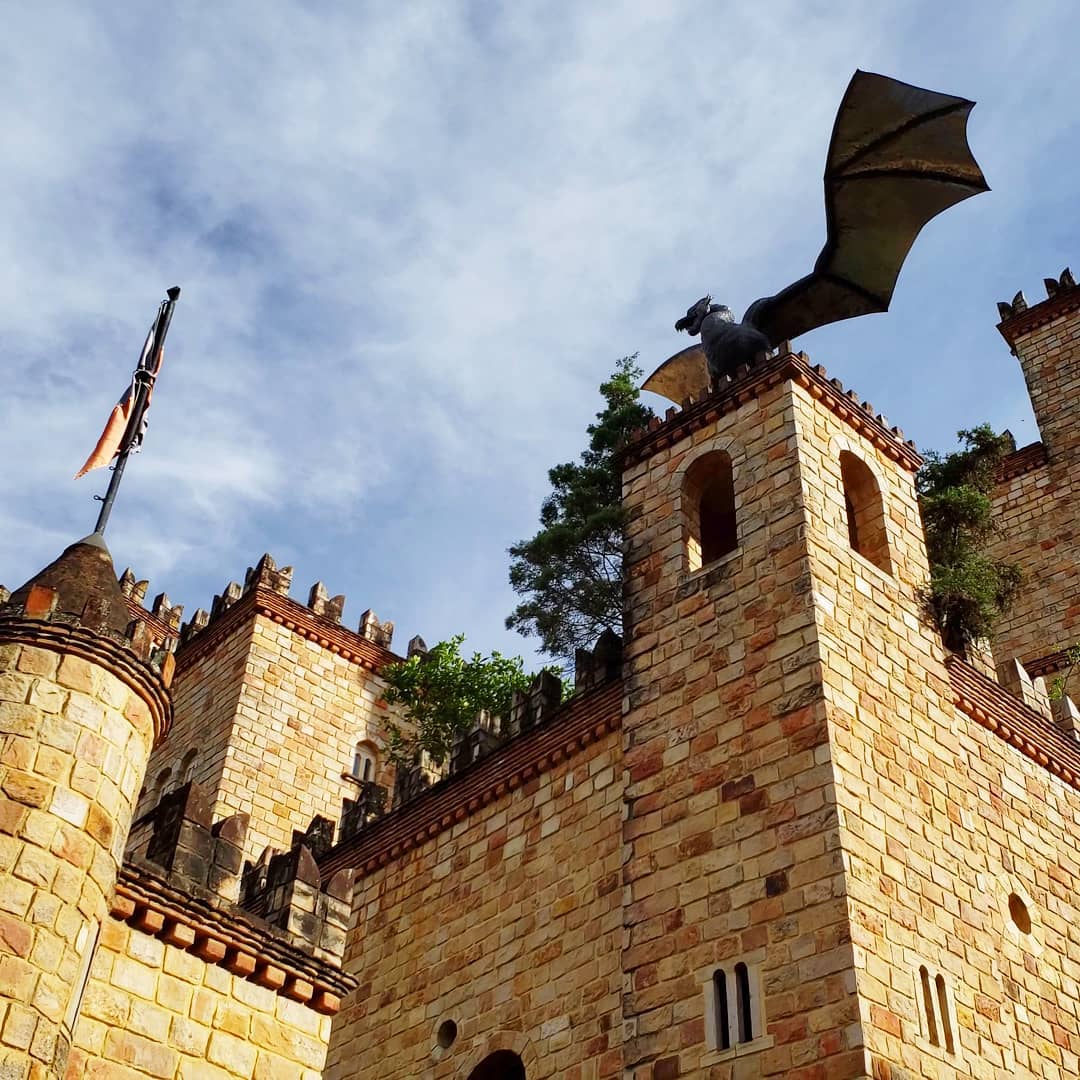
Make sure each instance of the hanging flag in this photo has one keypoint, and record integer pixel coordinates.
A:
(112, 438)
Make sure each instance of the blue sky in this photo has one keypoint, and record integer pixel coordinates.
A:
(413, 239)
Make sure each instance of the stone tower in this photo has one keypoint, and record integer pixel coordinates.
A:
(82, 701)
(274, 699)
(1037, 499)
(779, 678)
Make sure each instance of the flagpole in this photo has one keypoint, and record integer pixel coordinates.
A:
(144, 380)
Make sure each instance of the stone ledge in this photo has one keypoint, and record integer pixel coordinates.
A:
(1021, 727)
(582, 721)
(244, 946)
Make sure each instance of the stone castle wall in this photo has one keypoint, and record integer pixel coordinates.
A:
(1038, 507)
(731, 836)
(506, 922)
(74, 740)
(273, 717)
(152, 1009)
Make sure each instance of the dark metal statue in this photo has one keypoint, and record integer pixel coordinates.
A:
(898, 156)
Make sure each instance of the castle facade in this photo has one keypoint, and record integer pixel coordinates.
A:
(777, 831)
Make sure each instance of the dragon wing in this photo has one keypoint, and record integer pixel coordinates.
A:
(898, 157)
(685, 375)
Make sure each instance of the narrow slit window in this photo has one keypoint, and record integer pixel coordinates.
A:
(928, 1006)
(187, 769)
(723, 1017)
(943, 1007)
(865, 511)
(709, 510)
(733, 1007)
(742, 991)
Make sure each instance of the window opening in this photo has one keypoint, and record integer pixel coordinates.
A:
(187, 769)
(709, 510)
(732, 1007)
(723, 1037)
(1018, 912)
(936, 1017)
(365, 762)
(928, 1006)
(943, 1005)
(865, 511)
(742, 991)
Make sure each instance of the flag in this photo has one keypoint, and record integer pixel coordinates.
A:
(112, 438)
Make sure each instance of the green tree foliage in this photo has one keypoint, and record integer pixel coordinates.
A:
(442, 692)
(570, 573)
(969, 591)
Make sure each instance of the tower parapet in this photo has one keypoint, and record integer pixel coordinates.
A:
(1037, 499)
(84, 694)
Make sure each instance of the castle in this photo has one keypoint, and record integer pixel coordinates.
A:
(778, 832)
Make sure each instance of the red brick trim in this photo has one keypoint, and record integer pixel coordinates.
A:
(73, 640)
(581, 722)
(752, 384)
(1021, 461)
(160, 629)
(1023, 323)
(1049, 664)
(301, 620)
(998, 711)
(245, 947)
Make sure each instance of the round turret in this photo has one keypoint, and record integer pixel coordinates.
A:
(83, 698)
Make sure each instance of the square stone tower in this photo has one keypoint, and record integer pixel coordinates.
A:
(1037, 499)
(788, 717)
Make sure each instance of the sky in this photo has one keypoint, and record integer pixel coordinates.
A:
(413, 238)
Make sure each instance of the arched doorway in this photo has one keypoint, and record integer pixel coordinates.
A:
(502, 1065)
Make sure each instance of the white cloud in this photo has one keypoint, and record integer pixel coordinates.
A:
(413, 238)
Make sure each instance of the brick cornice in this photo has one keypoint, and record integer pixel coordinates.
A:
(242, 945)
(1024, 322)
(755, 381)
(1021, 727)
(73, 640)
(295, 617)
(581, 722)
(1021, 461)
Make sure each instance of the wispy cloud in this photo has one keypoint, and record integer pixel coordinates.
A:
(414, 238)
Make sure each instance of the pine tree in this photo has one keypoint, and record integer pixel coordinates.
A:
(968, 591)
(570, 572)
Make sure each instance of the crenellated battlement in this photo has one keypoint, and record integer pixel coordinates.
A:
(266, 576)
(749, 383)
(1019, 318)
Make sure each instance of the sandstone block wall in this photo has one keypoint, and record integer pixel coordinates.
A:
(274, 718)
(509, 924)
(74, 741)
(152, 1009)
(731, 838)
(940, 821)
(1039, 510)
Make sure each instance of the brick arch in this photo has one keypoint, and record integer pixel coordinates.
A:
(514, 1041)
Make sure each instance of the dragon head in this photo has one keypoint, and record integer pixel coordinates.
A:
(691, 321)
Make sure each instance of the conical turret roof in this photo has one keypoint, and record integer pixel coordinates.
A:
(83, 573)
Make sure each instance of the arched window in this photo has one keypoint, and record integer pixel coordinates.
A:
(742, 992)
(187, 766)
(865, 511)
(722, 1019)
(502, 1065)
(365, 762)
(709, 510)
(160, 786)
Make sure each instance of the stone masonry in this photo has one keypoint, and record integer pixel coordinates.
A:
(781, 832)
